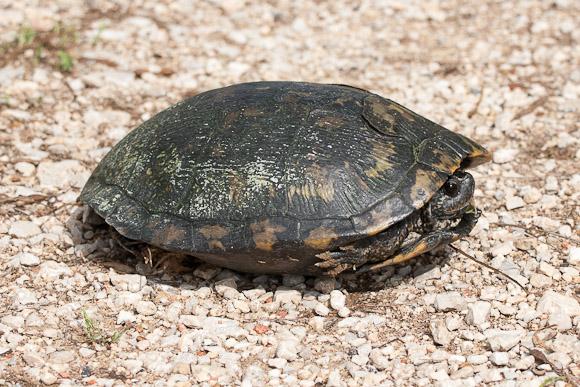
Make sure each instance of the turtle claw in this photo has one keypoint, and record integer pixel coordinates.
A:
(335, 262)
(329, 259)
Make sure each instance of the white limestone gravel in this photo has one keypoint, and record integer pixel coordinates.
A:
(76, 308)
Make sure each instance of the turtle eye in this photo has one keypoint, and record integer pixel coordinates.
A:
(451, 188)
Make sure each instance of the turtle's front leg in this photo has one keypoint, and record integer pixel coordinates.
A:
(373, 249)
(431, 241)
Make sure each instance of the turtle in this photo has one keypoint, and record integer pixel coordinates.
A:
(289, 178)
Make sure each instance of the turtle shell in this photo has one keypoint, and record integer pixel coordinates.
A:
(260, 177)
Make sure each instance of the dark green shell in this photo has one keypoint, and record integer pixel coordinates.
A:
(260, 177)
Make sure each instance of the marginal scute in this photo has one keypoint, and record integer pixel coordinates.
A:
(264, 234)
(168, 234)
(477, 156)
(320, 238)
(382, 215)
(473, 153)
(214, 231)
(214, 235)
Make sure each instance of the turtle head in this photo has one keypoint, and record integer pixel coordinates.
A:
(452, 200)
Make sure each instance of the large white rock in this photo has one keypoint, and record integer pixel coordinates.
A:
(440, 333)
(25, 259)
(337, 300)
(552, 303)
(500, 340)
(51, 270)
(23, 296)
(449, 301)
(287, 349)
(24, 229)
(478, 313)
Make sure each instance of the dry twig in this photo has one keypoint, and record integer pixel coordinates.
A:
(529, 231)
(531, 107)
(488, 267)
(24, 200)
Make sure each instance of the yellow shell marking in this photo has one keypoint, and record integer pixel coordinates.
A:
(425, 184)
(320, 238)
(421, 248)
(381, 154)
(265, 234)
(213, 234)
(445, 162)
(317, 185)
(168, 234)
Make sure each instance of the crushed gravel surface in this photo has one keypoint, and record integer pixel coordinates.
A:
(79, 305)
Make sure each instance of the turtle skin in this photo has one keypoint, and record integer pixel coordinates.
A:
(261, 177)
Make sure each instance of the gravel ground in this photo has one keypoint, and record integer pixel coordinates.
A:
(80, 306)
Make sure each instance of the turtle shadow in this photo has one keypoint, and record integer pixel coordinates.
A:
(102, 245)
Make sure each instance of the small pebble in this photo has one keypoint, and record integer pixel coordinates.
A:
(500, 340)
(287, 349)
(48, 378)
(477, 359)
(540, 280)
(321, 309)
(499, 358)
(478, 313)
(24, 229)
(61, 357)
(324, 284)
(552, 302)
(440, 333)
(532, 195)
(574, 255)
(502, 156)
(146, 308)
(277, 363)
(551, 184)
(514, 202)
(27, 259)
(449, 301)
(337, 300)
(26, 169)
(291, 280)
